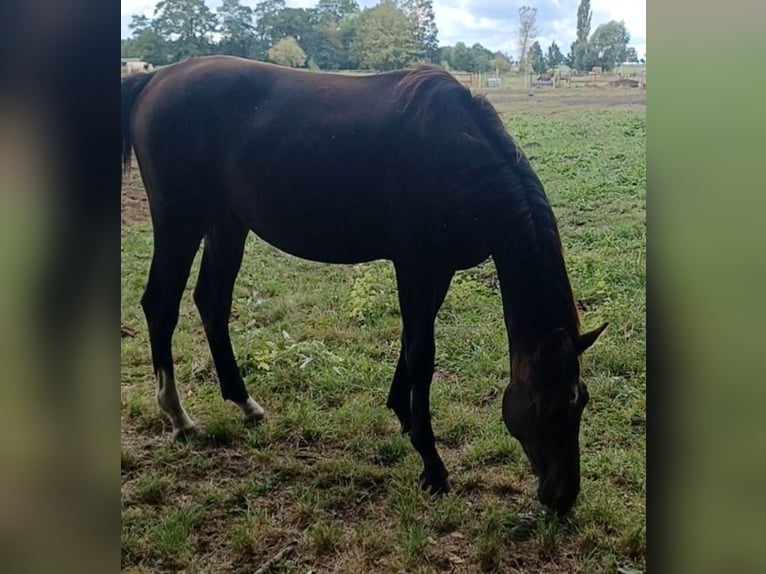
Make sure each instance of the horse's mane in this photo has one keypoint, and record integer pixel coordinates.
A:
(426, 93)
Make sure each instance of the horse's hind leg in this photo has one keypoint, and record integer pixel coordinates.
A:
(175, 244)
(221, 260)
(399, 395)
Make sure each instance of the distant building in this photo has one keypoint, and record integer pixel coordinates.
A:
(131, 65)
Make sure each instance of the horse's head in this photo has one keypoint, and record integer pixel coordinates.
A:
(542, 409)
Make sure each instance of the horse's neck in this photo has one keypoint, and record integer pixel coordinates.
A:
(536, 296)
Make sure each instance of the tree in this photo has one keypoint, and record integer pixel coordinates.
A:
(187, 25)
(481, 57)
(445, 56)
(266, 13)
(569, 59)
(500, 62)
(349, 33)
(579, 57)
(528, 31)
(584, 15)
(333, 34)
(536, 58)
(236, 27)
(336, 10)
(461, 58)
(608, 46)
(324, 45)
(421, 12)
(146, 43)
(386, 38)
(631, 55)
(287, 52)
(555, 57)
(295, 22)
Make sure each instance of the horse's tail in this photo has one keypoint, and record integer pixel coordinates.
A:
(130, 89)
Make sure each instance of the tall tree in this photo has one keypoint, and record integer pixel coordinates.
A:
(236, 28)
(421, 12)
(187, 24)
(295, 22)
(386, 38)
(569, 59)
(536, 58)
(324, 45)
(266, 13)
(336, 10)
(328, 47)
(608, 46)
(584, 15)
(146, 43)
(555, 57)
(349, 34)
(528, 31)
(580, 56)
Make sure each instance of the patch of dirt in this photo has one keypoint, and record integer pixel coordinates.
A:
(552, 100)
(625, 82)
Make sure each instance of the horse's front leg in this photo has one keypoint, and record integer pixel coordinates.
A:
(416, 300)
(399, 395)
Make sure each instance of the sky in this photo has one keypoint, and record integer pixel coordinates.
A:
(492, 23)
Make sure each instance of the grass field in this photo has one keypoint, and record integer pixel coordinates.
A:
(318, 344)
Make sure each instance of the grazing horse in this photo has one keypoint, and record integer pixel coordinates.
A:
(406, 166)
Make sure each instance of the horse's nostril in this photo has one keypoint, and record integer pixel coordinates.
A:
(564, 508)
(560, 501)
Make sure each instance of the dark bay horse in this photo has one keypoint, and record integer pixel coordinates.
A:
(406, 166)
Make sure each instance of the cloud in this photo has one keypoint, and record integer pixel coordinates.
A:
(492, 23)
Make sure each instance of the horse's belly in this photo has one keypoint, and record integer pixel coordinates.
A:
(322, 239)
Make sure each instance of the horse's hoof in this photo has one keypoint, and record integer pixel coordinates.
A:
(254, 412)
(185, 433)
(254, 419)
(435, 483)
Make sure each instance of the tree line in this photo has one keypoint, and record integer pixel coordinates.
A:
(607, 47)
(334, 34)
(338, 34)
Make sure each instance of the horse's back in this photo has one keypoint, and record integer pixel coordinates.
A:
(323, 166)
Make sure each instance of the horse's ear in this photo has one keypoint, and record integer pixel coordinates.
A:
(585, 340)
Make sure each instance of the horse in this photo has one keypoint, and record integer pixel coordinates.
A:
(406, 166)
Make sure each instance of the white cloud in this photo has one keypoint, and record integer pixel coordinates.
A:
(130, 7)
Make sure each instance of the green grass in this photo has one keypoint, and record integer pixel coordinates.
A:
(318, 346)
